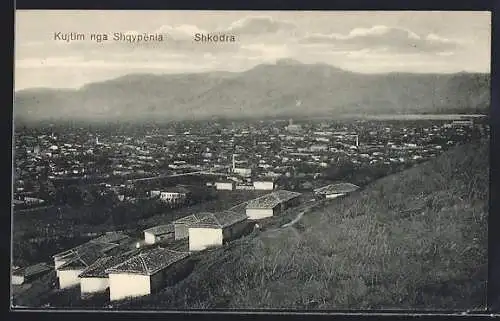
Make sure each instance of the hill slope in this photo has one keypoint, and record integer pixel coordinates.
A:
(264, 91)
(416, 239)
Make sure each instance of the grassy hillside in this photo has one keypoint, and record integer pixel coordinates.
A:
(416, 239)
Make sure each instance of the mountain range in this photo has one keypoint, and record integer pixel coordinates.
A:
(285, 89)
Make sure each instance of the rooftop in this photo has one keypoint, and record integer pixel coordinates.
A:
(272, 200)
(32, 270)
(150, 262)
(98, 268)
(81, 260)
(337, 188)
(220, 219)
(193, 218)
(160, 229)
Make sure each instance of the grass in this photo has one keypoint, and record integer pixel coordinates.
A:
(412, 240)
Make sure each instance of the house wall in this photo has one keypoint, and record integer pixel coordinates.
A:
(264, 186)
(181, 231)
(224, 186)
(124, 285)
(58, 262)
(332, 196)
(92, 285)
(69, 278)
(234, 231)
(259, 213)
(17, 279)
(149, 238)
(203, 238)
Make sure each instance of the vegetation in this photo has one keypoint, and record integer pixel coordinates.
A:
(416, 239)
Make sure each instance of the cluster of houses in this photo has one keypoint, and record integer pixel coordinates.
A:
(132, 268)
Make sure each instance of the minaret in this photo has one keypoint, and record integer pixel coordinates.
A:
(234, 161)
(97, 140)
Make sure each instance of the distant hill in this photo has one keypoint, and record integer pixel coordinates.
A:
(413, 240)
(287, 89)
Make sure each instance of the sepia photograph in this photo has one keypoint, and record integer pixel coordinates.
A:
(250, 160)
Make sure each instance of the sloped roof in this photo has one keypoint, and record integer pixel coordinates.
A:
(193, 218)
(150, 262)
(85, 247)
(220, 219)
(337, 188)
(81, 260)
(98, 268)
(160, 229)
(103, 243)
(273, 199)
(32, 270)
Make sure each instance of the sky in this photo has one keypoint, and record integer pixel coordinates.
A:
(366, 42)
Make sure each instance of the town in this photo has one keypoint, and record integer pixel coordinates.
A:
(158, 194)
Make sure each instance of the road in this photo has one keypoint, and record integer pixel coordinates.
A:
(306, 207)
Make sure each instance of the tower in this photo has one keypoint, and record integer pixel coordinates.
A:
(234, 162)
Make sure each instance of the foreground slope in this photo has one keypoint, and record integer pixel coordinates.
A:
(416, 239)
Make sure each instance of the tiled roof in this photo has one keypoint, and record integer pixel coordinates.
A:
(220, 219)
(160, 229)
(150, 262)
(98, 268)
(273, 199)
(81, 260)
(337, 188)
(103, 243)
(193, 218)
(85, 247)
(32, 270)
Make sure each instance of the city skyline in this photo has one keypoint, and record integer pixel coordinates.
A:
(366, 42)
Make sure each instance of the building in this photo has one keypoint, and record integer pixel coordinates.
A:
(175, 195)
(29, 273)
(158, 233)
(94, 278)
(271, 204)
(146, 272)
(68, 272)
(181, 225)
(462, 123)
(294, 128)
(103, 244)
(215, 229)
(225, 185)
(242, 171)
(335, 190)
(264, 185)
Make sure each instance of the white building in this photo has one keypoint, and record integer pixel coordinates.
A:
(242, 171)
(158, 233)
(225, 185)
(146, 272)
(176, 195)
(94, 278)
(265, 185)
(181, 225)
(68, 272)
(215, 229)
(335, 190)
(102, 244)
(29, 273)
(271, 204)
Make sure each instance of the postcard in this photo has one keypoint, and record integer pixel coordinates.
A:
(251, 160)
